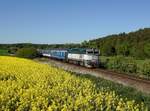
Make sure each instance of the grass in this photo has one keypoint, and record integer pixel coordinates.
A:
(3, 52)
(138, 61)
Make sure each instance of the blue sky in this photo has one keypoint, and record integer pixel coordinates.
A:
(65, 21)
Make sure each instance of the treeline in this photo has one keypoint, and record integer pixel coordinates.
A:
(135, 44)
(13, 48)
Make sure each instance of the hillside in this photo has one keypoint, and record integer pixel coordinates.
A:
(136, 44)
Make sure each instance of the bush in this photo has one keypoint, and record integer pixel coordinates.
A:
(128, 65)
(146, 69)
(3, 52)
(122, 64)
(113, 63)
(27, 53)
(131, 67)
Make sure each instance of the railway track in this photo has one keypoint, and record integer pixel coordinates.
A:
(125, 76)
(140, 84)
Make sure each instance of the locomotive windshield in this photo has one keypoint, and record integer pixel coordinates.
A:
(92, 51)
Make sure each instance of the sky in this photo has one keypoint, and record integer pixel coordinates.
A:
(69, 21)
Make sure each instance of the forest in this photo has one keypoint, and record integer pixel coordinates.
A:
(135, 44)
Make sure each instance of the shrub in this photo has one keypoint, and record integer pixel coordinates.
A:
(128, 65)
(27, 53)
(131, 67)
(146, 69)
(122, 64)
(3, 52)
(113, 64)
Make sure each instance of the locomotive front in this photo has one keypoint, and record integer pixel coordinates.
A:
(91, 58)
(85, 57)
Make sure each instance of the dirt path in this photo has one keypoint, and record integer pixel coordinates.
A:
(139, 84)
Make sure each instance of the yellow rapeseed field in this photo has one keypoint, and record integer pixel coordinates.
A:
(27, 85)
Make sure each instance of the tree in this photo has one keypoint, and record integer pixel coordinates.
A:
(27, 53)
(124, 49)
(147, 49)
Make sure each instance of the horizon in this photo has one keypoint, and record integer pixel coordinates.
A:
(69, 21)
(73, 42)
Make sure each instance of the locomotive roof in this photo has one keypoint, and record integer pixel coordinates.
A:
(81, 50)
(75, 50)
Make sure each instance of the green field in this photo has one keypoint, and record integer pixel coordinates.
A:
(3, 52)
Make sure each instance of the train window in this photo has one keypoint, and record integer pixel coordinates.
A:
(96, 53)
(89, 52)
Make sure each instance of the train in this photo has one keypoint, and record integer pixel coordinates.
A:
(88, 57)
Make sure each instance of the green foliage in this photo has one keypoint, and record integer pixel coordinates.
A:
(3, 52)
(13, 50)
(147, 49)
(135, 44)
(122, 64)
(128, 65)
(108, 50)
(27, 53)
(123, 49)
(146, 69)
(14, 47)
